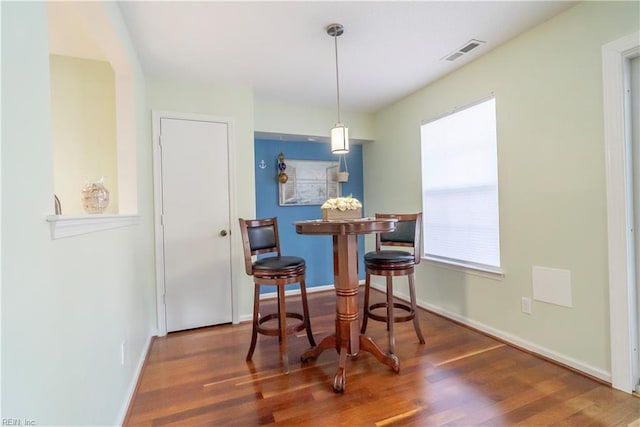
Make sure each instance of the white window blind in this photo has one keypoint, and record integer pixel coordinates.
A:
(460, 187)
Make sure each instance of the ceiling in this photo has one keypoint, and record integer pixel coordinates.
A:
(389, 49)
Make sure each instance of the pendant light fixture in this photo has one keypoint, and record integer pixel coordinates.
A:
(340, 133)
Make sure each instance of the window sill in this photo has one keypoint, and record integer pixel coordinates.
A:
(478, 270)
(74, 225)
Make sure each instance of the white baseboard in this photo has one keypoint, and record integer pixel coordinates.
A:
(245, 318)
(507, 337)
(136, 376)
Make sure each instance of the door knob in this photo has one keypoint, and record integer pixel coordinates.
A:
(223, 233)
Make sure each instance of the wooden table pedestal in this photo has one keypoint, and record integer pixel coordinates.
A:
(347, 339)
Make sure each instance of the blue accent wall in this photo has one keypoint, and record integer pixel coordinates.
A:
(316, 250)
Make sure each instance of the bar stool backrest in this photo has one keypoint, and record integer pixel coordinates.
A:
(259, 236)
(407, 233)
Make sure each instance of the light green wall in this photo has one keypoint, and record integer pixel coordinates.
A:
(279, 117)
(235, 103)
(548, 88)
(83, 129)
(67, 304)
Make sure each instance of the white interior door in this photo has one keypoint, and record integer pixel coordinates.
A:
(195, 223)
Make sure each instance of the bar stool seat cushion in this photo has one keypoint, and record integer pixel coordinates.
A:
(388, 256)
(278, 263)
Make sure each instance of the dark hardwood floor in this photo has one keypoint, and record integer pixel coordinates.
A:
(459, 377)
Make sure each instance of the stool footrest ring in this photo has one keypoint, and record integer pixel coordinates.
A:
(275, 331)
(383, 318)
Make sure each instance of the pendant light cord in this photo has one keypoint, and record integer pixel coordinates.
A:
(335, 39)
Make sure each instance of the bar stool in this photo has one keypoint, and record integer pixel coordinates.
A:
(391, 263)
(260, 236)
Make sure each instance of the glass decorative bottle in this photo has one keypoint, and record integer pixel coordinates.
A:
(95, 197)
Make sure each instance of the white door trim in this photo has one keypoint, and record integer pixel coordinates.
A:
(156, 116)
(619, 208)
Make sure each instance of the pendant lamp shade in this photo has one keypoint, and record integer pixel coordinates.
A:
(340, 133)
(340, 139)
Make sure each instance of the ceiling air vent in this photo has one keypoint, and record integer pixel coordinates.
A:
(454, 56)
(463, 50)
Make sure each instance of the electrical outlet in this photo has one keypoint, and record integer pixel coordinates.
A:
(526, 305)
(122, 353)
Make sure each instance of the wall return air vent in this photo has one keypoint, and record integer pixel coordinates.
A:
(463, 50)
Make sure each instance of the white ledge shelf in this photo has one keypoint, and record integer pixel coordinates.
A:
(74, 225)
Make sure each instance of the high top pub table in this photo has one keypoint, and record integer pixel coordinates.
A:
(347, 340)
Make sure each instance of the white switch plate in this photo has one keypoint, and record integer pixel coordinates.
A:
(526, 305)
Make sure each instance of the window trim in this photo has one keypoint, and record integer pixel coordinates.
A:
(459, 108)
(466, 267)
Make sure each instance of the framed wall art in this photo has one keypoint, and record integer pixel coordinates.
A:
(310, 182)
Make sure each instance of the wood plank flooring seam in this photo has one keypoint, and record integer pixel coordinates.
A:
(471, 354)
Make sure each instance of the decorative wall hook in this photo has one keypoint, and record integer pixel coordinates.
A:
(262, 164)
(282, 175)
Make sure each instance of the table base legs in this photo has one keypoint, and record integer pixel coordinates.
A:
(366, 344)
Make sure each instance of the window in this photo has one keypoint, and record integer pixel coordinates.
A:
(460, 187)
